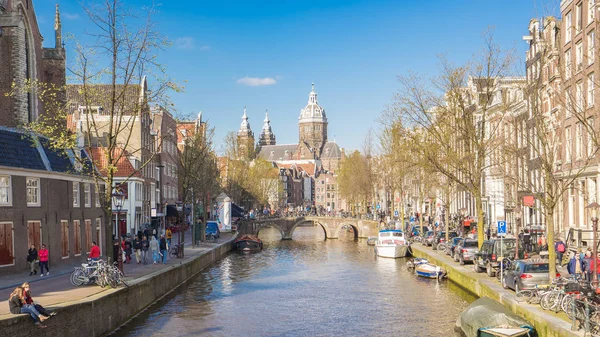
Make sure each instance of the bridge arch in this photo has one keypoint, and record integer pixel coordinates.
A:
(355, 229)
(298, 223)
(260, 226)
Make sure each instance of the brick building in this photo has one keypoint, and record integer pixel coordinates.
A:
(44, 196)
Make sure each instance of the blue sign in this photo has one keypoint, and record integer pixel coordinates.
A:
(501, 227)
(378, 206)
(395, 213)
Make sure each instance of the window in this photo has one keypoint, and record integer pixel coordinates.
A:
(569, 103)
(578, 15)
(33, 191)
(578, 140)
(590, 141)
(579, 55)
(6, 244)
(5, 191)
(77, 234)
(590, 93)
(568, 26)
(591, 41)
(88, 234)
(591, 8)
(568, 144)
(568, 64)
(64, 231)
(75, 194)
(96, 196)
(87, 195)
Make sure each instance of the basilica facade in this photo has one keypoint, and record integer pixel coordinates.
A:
(304, 166)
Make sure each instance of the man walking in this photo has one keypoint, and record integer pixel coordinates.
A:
(560, 248)
(44, 261)
(137, 248)
(32, 258)
(154, 248)
(163, 248)
(145, 246)
(94, 252)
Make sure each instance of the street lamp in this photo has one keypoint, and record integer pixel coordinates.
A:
(594, 207)
(518, 220)
(117, 199)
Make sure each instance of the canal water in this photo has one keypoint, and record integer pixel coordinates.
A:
(305, 287)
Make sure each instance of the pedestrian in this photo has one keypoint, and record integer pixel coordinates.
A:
(527, 241)
(587, 266)
(94, 252)
(128, 249)
(575, 266)
(543, 242)
(560, 248)
(163, 249)
(115, 248)
(137, 248)
(154, 248)
(32, 258)
(169, 235)
(17, 305)
(145, 246)
(37, 306)
(44, 260)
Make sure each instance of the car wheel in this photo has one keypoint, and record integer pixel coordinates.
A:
(504, 285)
(476, 267)
(455, 257)
(490, 270)
(462, 262)
(517, 288)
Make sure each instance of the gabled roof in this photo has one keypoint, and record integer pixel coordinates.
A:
(124, 167)
(29, 151)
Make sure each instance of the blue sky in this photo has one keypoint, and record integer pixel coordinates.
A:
(352, 50)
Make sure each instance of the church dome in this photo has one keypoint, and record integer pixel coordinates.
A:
(312, 112)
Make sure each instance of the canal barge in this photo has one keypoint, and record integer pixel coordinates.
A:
(391, 243)
(248, 243)
(488, 318)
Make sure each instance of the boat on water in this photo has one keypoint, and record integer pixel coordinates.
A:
(413, 263)
(248, 243)
(429, 270)
(391, 243)
(488, 318)
(371, 240)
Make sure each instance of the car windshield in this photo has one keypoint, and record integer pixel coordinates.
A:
(536, 268)
(470, 244)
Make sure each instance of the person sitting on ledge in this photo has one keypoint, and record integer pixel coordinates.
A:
(37, 306)
(17, 305)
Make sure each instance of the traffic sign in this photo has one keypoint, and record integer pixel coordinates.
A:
(395, 213)
(378, 206)
(501, 227)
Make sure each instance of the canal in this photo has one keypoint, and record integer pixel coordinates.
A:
(305, 287)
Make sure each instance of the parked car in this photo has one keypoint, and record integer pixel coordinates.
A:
(465, 251)
(488, 255)
(212, 228)
(440, 237)
(453, 243)
(428, 238)
(526, 274)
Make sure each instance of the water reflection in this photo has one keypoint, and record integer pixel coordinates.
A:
(307, 286)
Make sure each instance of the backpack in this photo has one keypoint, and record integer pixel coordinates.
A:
(561, 247)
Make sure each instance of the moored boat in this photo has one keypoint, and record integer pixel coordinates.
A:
(371, 240)
(416, 262)
(429, 270)
(391, 243)
(248, 243)
(488, 318)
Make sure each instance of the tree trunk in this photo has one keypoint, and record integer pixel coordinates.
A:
(108, 235)
(550, 242)
(480, 229)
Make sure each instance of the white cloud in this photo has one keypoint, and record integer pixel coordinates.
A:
(184, 43)
(205, 48)
(69, 16)
(256, 81)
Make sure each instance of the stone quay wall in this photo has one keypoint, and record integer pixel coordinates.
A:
(103, 313)
(546, 323)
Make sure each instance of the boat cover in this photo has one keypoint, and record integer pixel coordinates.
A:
(487, 313)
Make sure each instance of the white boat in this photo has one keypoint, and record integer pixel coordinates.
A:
(391, 243)
(371, 240)
(429, 270)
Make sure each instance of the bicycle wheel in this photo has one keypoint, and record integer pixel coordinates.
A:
(524, 295)
(565, 303)
(550, 300)
(76, 277)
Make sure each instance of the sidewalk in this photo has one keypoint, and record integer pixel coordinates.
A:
(52, 290)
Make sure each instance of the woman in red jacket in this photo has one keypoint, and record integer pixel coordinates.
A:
(44, 260)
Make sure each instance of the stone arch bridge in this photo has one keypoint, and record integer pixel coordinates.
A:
(331, 226)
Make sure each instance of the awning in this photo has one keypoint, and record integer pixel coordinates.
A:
(237, 211)
(172, 210)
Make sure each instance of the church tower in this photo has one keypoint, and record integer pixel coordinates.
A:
(267, 137)
(313, 128)
(245, 139)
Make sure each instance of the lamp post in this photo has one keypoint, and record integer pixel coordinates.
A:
(463, 212)
(117, 199)
(518, 220)
(594, 207)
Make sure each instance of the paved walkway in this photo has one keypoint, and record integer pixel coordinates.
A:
(52, 290)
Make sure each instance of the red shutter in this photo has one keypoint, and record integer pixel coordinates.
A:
(6, 247)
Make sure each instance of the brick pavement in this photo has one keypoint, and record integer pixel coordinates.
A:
(52, 290)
